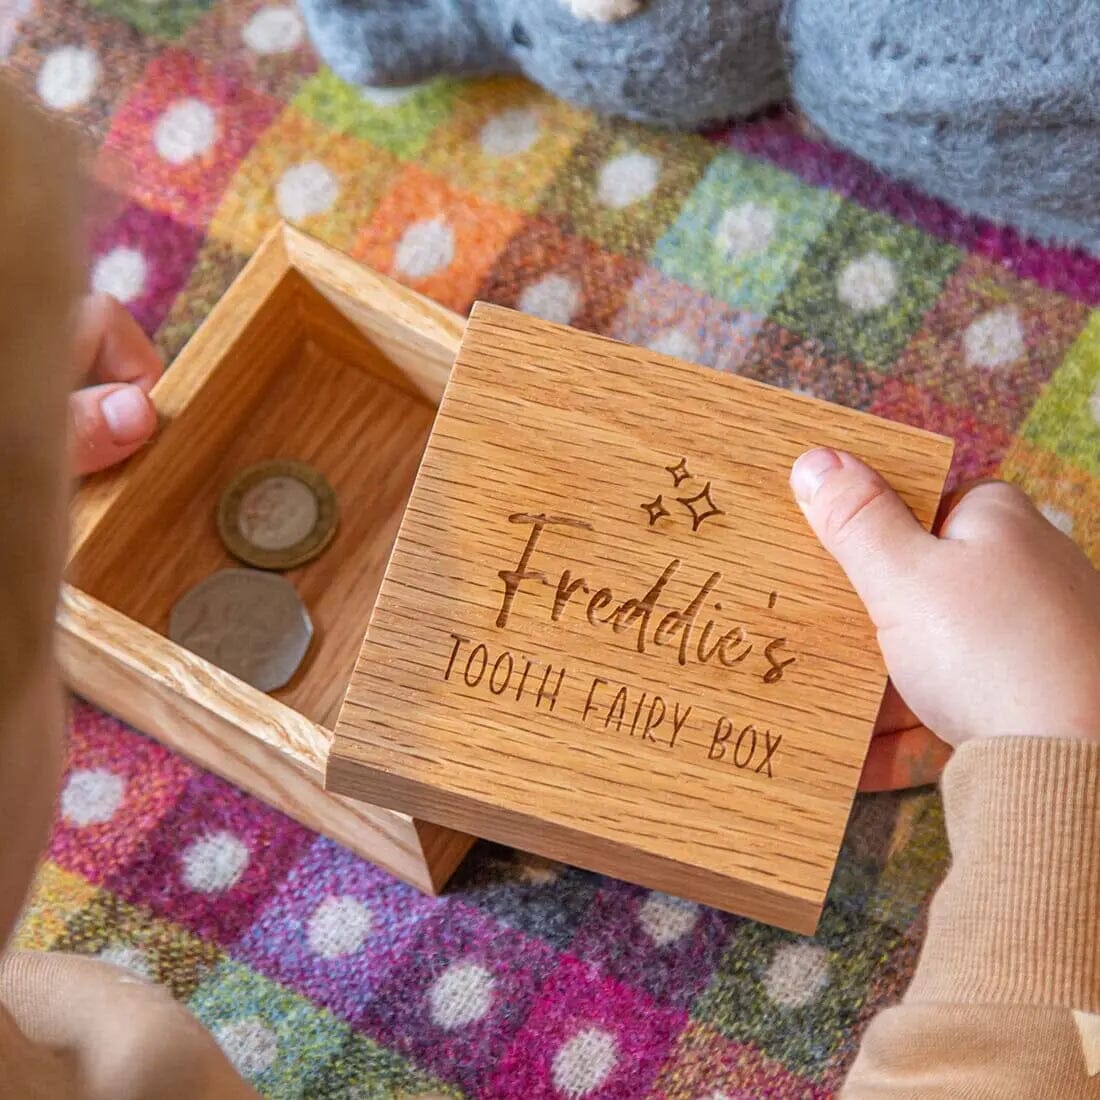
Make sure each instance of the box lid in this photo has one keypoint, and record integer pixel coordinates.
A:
(607, 634)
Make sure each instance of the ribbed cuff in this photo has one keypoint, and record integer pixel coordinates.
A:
(1018, 917)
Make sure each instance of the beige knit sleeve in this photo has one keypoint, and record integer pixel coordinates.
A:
(1003, 998)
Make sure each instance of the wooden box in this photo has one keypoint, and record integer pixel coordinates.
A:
(606, 634)
(307, 356)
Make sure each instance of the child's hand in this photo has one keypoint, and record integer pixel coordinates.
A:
(990, 630)
(112, 416)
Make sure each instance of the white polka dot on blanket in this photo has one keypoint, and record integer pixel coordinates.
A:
(426, 248)
(584, 1062)
(67, 77)
(305, 190)
(1058, 517)
(675, 341)
(462, 994)
(277, 29)
(249, 1044)
(554, 297)
(867, 283)
(745, 230)
(797, 973)
(510, 133)
(186, 129)
(214, 862)
(91, 796)
(120, 272)
(389, 97)
(667, 919)
(994, 339)
(128, 958)
(626, 179)
(338, 927)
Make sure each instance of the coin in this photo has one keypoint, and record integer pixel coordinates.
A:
(248, 622)
(277, 514)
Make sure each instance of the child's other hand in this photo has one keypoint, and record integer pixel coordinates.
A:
(112, 415)
(992, 629)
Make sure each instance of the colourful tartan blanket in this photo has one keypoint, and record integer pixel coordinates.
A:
(753, 250)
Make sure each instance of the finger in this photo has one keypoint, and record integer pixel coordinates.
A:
(109, 345)
(951, 499)
(108, 423)
(894, 713)
(981, 510)
(902, 759)
(862, 522)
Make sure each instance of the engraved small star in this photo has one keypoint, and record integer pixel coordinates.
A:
(680, 472)
(698, 515)
(656, 509)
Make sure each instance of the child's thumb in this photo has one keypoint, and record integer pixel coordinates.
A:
(108, 423)
(863, 523)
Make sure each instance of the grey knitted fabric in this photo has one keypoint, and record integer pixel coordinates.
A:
(677, 63)
(993, 105)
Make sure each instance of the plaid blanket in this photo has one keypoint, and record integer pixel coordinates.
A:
(756, 250)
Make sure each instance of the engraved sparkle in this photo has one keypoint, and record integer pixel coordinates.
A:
(680, 472)
(656, 509)
(698, 515)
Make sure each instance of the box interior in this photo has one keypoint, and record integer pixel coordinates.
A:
(306, 378)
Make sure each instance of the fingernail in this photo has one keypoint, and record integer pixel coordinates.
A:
(126, 412)
(810, 470)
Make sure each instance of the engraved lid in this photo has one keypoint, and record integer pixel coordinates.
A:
(608, 636)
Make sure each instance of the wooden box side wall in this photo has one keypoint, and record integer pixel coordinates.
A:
(261, 290)
(416, 336)
(262, 745)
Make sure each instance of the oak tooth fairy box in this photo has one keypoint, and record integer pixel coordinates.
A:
(606, 633)
(308, 356)
(599, 627)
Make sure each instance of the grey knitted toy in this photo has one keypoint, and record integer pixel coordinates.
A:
(675, 63)
(993, 105)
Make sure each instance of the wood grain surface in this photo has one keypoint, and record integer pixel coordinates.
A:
(606, 633)
(286, 366)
